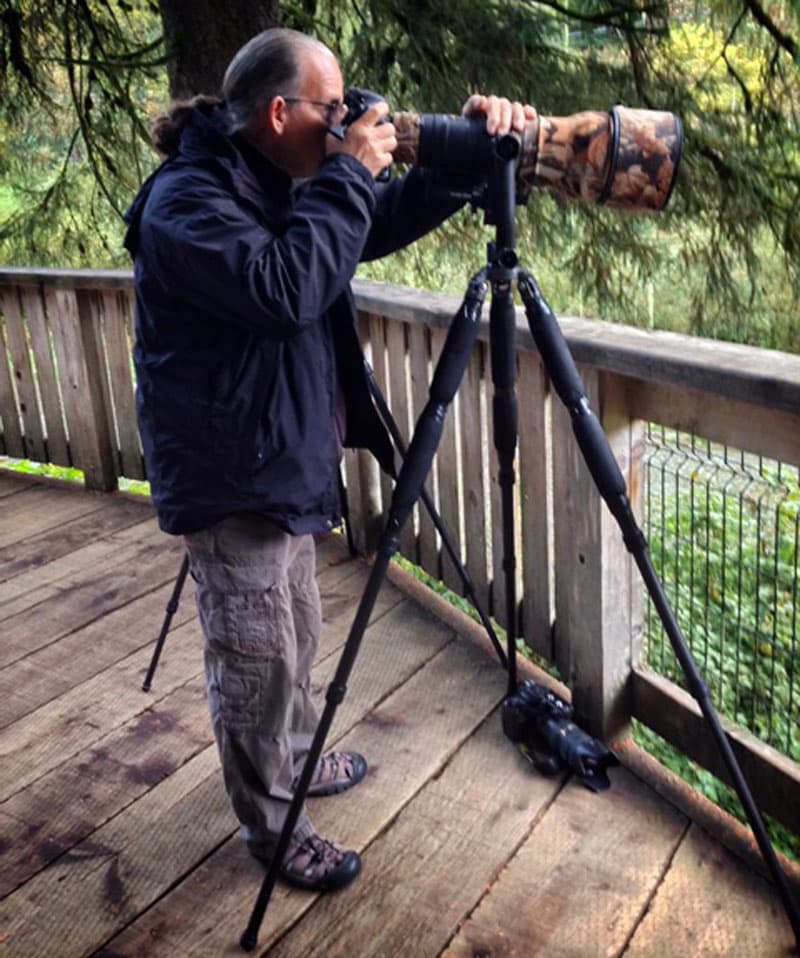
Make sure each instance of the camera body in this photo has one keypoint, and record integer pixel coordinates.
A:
(541, 724)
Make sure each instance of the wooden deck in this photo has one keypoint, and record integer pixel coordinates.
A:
(115, 832)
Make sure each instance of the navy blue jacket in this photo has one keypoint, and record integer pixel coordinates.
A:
(246, 344)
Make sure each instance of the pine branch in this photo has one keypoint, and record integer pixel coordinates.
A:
(782, 39)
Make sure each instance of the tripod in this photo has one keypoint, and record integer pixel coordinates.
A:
(501, 271)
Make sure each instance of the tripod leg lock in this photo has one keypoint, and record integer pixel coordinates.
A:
(336, 693)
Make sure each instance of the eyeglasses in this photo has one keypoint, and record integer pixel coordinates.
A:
(335, 111)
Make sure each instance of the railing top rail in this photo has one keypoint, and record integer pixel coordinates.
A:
(763, 377)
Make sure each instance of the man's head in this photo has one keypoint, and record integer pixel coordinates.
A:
(283, 91)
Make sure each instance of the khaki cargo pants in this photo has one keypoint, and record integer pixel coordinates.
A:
(260, 613)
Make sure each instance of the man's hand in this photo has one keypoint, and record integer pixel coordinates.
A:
(502, 115)
(368, 140)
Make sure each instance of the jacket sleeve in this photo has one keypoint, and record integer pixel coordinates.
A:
(406, 209)
(220, 256)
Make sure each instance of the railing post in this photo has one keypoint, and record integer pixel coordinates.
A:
(599, 596)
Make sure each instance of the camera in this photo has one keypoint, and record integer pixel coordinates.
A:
(624, 158)
(542, 725)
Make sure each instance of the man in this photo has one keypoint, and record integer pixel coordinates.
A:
(250, 380)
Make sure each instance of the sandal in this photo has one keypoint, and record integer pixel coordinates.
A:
(319, 865)
(336, 772)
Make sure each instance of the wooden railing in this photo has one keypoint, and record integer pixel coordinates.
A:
(66, 397)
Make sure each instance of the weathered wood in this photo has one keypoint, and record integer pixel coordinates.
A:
(538, 501)
(766, 377)
(52, 815)
(40, 507)
(134, 569)
(37, 550)
(448, 471)
(474, 456)
(419, 368)
(12, 482)
(774, 778)
(582, 880)
(377, 339)
(47, 380)
(475, 814)
(400, 405)
(773, 433)
(406, 740)
(598, 612)
(20, 351)
(709, 904)
(79, 373)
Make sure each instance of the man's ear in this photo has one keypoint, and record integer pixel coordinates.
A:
(275, 115)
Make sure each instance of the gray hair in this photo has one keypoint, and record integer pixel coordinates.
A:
(268, 65)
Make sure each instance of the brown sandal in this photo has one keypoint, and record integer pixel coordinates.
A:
(336, 772)
(319, 865)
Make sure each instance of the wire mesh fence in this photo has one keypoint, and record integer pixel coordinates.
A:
(724, 530)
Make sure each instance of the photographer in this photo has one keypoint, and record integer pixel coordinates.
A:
(250, 380)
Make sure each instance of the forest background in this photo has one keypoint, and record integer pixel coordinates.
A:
(81, 81)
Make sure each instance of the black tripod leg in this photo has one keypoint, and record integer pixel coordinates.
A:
(172, 608)
(449, 372)
(610, 482)
(469, 587)
(505, 419)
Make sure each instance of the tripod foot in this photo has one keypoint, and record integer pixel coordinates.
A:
(249, 940)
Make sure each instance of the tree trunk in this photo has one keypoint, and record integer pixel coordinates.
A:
(201, 37)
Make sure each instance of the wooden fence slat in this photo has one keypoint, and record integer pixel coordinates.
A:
(401, 410)
(80, 376)
(377, 338)
(473, 455)
(537, 505)
(9, 410)
(118, 328)
(418, 345)
(449, 479)
(19, 350)
(53, 412)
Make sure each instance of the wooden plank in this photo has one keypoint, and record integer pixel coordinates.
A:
(80, 378)
(118, 326)
(774, 778)
(53, 814)
(710, 904)
(448, 466)
(401, 413)
(538, 500)
(406, 741)
(433, 864)
(36, 551)
(597, 612)
(770, 432)
(77, 600)
(768, 377)
(20, 352)
(147, 844)
(582, 880)
(41, 508)
(377, 340)
(474, 454)
(111, 876)
(52, 409)
(12, 482)
(53, 670)
(419, 371)
(9, 408)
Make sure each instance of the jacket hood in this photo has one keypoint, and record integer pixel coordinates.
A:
(206, 144)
